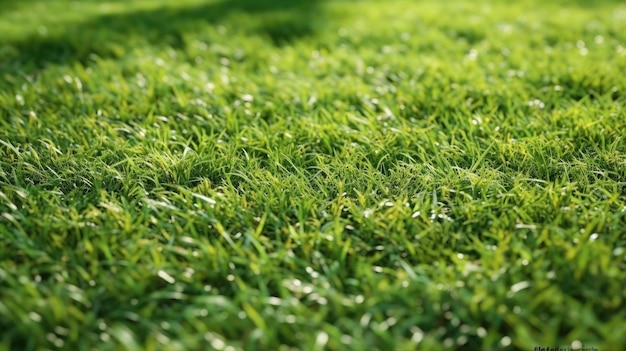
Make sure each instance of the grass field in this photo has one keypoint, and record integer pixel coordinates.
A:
(314, 175)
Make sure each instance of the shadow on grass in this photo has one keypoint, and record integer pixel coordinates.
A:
(8, 5)
(108, 35)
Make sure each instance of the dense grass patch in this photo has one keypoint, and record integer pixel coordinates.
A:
(241, 175)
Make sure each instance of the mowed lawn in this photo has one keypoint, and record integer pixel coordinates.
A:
(312, 175)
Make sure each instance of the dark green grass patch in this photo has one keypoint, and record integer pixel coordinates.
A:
(315, 175)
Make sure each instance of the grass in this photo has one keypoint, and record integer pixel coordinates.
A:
(315, 175)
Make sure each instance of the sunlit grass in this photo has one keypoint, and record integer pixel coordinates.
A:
(334, 175)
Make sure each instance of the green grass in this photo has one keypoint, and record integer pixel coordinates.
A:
(315, 175)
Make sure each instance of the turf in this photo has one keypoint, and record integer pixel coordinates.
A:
(315, 175)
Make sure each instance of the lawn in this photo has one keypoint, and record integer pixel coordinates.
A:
(312, 175)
